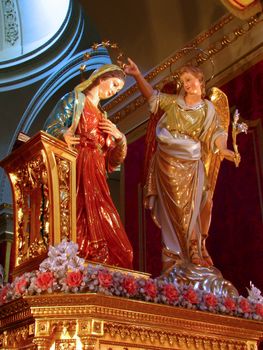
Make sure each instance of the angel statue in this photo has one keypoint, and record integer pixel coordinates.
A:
(190, 141)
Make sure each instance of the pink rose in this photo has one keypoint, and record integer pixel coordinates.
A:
(150, 289)
(171, 292)
(229, 304)
(210, 300)
(191, 296)
(259, 309)
(44, 280)
(130, 285)
(74, 278)
(244, 305)
(105, 279)
(21, 285)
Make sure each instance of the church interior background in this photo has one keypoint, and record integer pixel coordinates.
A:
(41, 48)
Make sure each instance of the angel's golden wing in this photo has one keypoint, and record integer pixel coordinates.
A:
(213, 161)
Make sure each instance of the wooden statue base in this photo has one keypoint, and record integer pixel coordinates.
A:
(95, 321)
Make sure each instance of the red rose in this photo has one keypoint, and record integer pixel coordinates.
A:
(130, 285)
(229, 304)
(105, 279)
(74, 278)
(171, 292)
(21, 285)
(244, 305)
(150, 289)
(259, 309)
(3, 294)
(210, 300)
(44, 280)
(191, 296)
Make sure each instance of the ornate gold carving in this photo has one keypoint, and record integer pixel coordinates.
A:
(14, 312)
(93, 321)
(31, 329)
(251, 345)
(16, 338)
(84, 327)
(175, 341)
(68, 333)
(29, 182)
(89, 342)
(101, 307)
(42, 328)
(64, 192)
(65, 344)
(90, 326)
(43, 343)
(97, 327)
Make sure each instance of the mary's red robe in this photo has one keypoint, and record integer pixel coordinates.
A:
(100, 234)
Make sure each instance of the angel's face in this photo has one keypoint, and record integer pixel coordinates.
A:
(109, 87)
(191, 84)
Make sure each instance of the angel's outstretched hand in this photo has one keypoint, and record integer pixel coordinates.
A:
(131, 68)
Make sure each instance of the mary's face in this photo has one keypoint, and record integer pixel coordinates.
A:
(109, 87)
(191, 84)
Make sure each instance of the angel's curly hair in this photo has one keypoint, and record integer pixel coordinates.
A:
(197, 72)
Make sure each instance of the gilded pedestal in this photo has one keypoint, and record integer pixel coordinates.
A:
(94, 321)
(42, 173)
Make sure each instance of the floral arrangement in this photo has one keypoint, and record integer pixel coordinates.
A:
(64, 271)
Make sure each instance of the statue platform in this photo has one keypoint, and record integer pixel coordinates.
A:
(43, 181)
(94, 321)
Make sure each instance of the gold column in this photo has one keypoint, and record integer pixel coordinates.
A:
(89, 332)
(42, 343)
